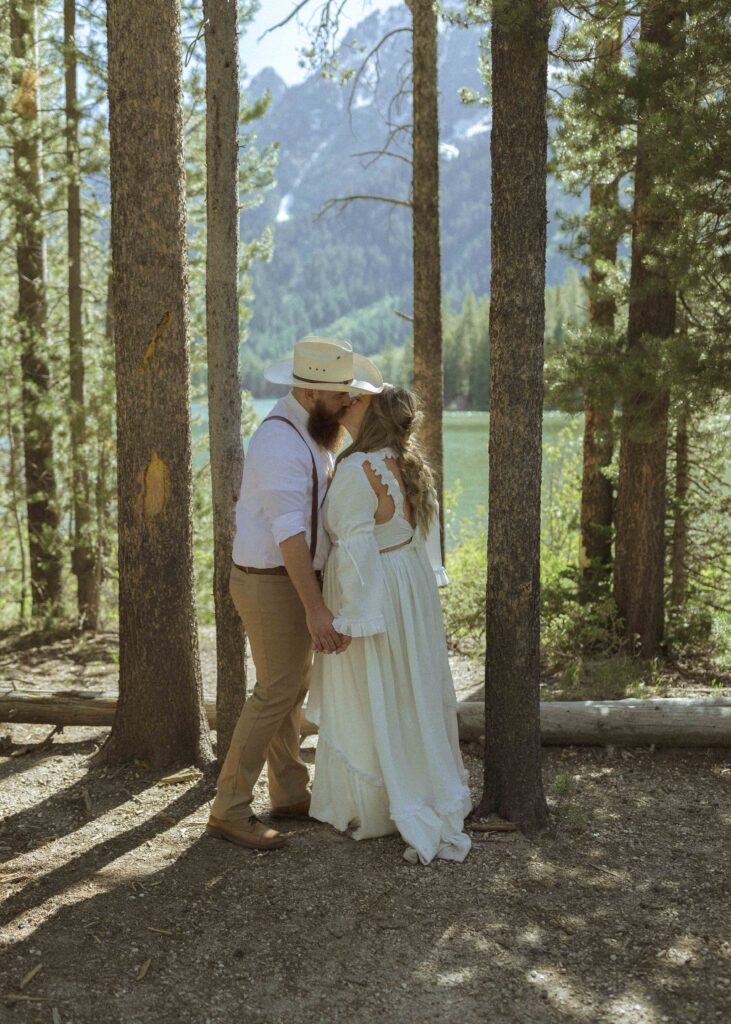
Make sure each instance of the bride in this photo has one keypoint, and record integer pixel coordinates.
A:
(388, 755)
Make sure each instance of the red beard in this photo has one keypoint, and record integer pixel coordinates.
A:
(325, 427)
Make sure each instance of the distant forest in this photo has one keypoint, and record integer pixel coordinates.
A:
(379, 333)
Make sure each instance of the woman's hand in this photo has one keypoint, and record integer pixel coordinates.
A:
(345, 642)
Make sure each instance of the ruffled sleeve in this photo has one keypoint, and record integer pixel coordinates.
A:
(354, 558)
(434, 548)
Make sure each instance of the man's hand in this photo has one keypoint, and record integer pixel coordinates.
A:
(325, 638)
(297, 559)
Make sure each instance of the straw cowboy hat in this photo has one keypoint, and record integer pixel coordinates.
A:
(326, 364)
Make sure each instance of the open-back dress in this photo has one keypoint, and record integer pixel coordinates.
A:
(388, 756)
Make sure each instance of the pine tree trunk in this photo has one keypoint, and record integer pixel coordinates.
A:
(40, 476)
(595, 552)
(82, 555)
(14, 437)
(428, 377)
(641, 495)
(105, 456)
(224, 390)
(679, 558)
(513, 784)
(160, 717)
(596, 489)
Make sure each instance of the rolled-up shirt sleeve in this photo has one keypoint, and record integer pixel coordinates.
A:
(355, 560)
(284, 480)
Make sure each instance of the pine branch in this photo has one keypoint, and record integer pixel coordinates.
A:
(343, 201)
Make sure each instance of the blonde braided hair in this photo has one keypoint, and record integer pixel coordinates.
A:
(390, 422)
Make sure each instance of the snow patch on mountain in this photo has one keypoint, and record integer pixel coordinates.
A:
(284, 212)
(478, 129)
(448, 151)
(309, 163)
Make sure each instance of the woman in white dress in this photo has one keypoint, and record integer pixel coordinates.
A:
(388, 755)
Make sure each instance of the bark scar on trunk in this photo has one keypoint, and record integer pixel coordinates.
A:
(155, 487)
(24, 102)
(159, 334)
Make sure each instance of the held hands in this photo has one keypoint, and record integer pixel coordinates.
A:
(325, 639)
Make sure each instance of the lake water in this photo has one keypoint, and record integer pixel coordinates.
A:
(465, 454)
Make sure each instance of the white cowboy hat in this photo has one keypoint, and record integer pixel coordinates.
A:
(326, 364)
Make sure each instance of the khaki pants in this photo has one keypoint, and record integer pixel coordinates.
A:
(269, 724)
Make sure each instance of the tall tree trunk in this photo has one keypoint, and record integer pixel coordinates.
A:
(679, 557)
(222, 323)
(428, 375)
(596, 490)
(639, 561)
(82, 555)
(105, 457)
(595, 552)
(15, 489)
(513, 784)
(40, 477)
(160, 716)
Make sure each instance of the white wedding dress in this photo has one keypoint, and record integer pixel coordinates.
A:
(388, 756)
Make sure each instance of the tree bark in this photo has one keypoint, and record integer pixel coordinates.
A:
(641, 495)
(679, 557)
(105, 458)
(222, 328)
(14, 435)
(428, 373)
(595, 552)
(82, 555)
(513, 784)
(160, 716)
(596, 490)
(40, 476)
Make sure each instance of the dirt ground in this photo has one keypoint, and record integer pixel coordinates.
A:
(618, 913)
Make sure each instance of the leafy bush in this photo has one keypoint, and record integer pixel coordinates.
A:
(463, 601)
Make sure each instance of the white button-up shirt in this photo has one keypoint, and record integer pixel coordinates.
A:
(276, 491)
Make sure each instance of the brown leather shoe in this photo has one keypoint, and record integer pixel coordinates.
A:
(299, 811)
(251, 833)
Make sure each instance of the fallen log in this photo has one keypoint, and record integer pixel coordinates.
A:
(634, 722)
(662, 721)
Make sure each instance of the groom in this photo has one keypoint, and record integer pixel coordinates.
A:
(279, 552)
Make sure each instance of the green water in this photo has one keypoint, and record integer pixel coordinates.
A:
(466, 459)
(465, 455)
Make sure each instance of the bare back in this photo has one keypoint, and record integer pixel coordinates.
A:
(386, 508)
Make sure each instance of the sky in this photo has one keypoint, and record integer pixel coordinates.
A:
(280, 49)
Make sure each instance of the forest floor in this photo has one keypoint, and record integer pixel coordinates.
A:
(118, 908)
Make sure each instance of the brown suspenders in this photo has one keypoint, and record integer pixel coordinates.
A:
(315, 487)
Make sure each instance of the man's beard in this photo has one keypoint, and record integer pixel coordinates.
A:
(325, 427)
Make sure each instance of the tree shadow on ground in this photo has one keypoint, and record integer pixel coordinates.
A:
(594, 922)
(17, 766)
(78, 806)
(45, 886)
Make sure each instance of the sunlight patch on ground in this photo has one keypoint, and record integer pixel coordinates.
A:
(632, 1008)
(450, 979)
(531, 937)
(561, 993)
(685, 950)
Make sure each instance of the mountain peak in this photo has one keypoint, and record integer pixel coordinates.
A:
(267, 78)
